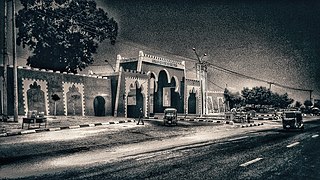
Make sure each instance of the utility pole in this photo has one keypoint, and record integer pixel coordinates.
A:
(4, 24)
(310, 91)
(270, 83)
(202, 75)
(14, 59)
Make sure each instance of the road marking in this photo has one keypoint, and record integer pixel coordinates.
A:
(314, 136)
(250, 162)
(146, 157)
(238, 138)
(293, 144)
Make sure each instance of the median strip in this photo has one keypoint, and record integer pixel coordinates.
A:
(250, 162)
(293, 144)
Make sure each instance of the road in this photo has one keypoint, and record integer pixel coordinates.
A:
(189, 151)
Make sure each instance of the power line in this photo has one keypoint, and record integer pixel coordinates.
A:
(215, 84)
(253, 78)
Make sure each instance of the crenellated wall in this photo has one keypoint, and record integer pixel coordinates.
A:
(78, 93)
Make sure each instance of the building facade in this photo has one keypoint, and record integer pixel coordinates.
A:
(155, 83)
(149, 82)
(79, 95)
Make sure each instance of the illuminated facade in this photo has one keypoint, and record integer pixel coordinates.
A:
(154, 83)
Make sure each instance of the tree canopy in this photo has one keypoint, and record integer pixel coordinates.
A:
(63, 35)
(234, 99)
(257, 96)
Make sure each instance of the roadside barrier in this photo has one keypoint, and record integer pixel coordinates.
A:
(62, 128)
(264, 117)
(251, 125)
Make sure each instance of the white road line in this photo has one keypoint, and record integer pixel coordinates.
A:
(314, 136)
(293, 144)
(146, 157)
(250, 162)
(238, 138)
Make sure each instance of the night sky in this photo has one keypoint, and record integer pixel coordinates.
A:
(273, 40)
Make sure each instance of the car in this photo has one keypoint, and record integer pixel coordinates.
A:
(292, 120)
(170, 116)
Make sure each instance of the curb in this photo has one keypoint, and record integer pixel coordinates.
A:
(63, 128)
(263, 118)
(251, 125)
(204, 120)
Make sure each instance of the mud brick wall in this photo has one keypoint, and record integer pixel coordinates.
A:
(58, 83)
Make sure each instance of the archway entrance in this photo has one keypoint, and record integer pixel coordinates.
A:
(74, 101)
(167, 93)
(99, 106)
(192, 101)
(36, 98)
(134, 101)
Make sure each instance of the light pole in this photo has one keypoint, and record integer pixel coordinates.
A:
(15, 71)
(202, 75)
(14, 58)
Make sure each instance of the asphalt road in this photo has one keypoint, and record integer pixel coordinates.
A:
(239, 153)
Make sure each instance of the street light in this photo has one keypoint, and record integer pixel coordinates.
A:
(202, 72)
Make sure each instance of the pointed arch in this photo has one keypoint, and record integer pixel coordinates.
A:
(153, 75)
(193, 90)
(167, 74)
(137, 83)
(177, 84)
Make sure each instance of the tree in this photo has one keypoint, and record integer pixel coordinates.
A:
(55, 98)
(284, 101)
(298, 104)
(257, 95)
(234, 99)
(263, 96)
(63, 35)
(308, 104)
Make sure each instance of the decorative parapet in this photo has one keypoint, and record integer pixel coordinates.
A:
(124, 60)
(57, 72)
(161, 61)
(134, 71)
(215, 92)
(151, 59)
(192, 82)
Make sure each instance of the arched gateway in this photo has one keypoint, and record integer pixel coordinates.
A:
(165, 83)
